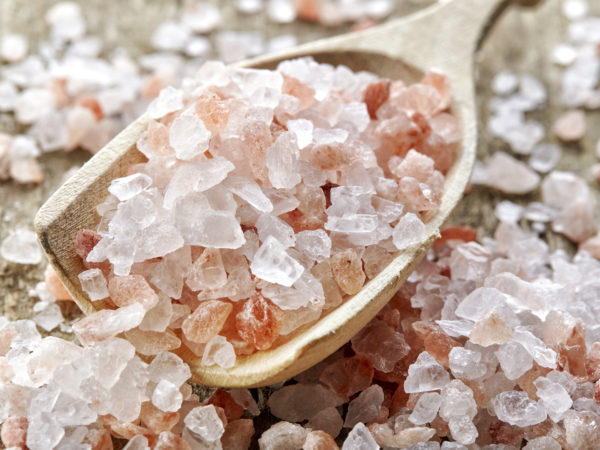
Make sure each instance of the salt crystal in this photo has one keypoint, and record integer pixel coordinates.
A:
(381, 345)
(220, 352)
(457, 401)
(298, 402)
(564, 54)
(197, 46)
(542, 443)
(13, 47)
(130, 186)
(317, 440)
(505, 83)
(170, 367)
(205, 423)
(490, 330)
(269, 225)
(251, 192)
(203, 18)
(33, 103)
(8, 96)
(365, 407)
(510, 175)
(516, 408)
(463, 430)
(314, 243)
(206, 321)
(282, 162)
(575, 9)
(249, 6)
(166, 396)
(169, 100)
(409, 230)
(138, 442)
(281, 11)
(103, 324)
(507, 211)
(553, 397)
(570, 126)
(426, 409)
(207, 228)
(21, 247)
(48, 315)
(576, 221)
(532, 89)
(271, 263)
(327, 420)
(360, 438)
(425, 374)
(170, 36)
(188, 136)
(284, 436)
(466, 364)
(14, 432)
(94, 284)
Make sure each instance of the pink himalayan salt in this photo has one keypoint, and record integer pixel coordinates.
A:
(54, 285)
(592, 362)
(319, 440)
(381, 345)
(238, 434)
(259, 322)
(490, 330)
(385, 436)
(375, 95)
(347, 376)
(106, 323)
(571, 125)
(169, 441)
(347, 271)
(126, 430)
(224, 400)
(26, 170)
(206, 321)
(366, 407)
(576, 221)
(131, 289)
(327, 420)
(207, 271)
(152, 343)
(595, 172)
(14, 432)
(509, 175)
(7, 334)
(156, 420)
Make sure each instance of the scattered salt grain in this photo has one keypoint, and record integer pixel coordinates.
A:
(21, 247)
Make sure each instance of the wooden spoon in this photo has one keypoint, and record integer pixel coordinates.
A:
(444, 36)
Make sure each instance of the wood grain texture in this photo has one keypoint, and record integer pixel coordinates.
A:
(444, 36)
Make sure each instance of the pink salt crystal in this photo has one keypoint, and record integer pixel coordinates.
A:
(296, 402)
(420, 98)
(219, 351)
(347, 271)
(7, 334)
(206, 321)
(375, 95)
(347, 376)
(156, 420)
(441, 83)
(283, 436)
(223, 399)
(510, 175)
(168, 441)
(381, 345)
(327, 420)
(26, 170)
(571, 125)
(576, 221)
(360, 438)
(14, 432)
(365, 407)
(207, 271)
(319, 440)
(375, 259)
(238, 434)
(415, 165)
(131, 289)
(152, 342)
(259, 322)
(244, 398)
(54, 285)
(106, 323)
(592, 362)
(490, 330)
(446, 126)
(293, 86)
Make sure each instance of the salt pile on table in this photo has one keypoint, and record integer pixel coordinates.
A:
(268, 197)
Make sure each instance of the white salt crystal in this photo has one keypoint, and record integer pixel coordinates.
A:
(33, 103)
(507, 211)
(170, 367)
(48, 315)
(553, 397)
(270, 225)
(539, 212)
(188, 136)
(463, 430)
(249, 191)
(203, 18)
(360, 438)
(272, 263)
(466, 364)
(355, 113)
(66, 21)
(426, 408)
(379, 9)
(197, 46)
(564, 54)
(107, 323)
(138, 442)
(50, 354)
(575, 9)
(504, 83)
(532, 89)
(169, 100)
(542, 443)
(457, 401)
(425, 374)
(516, 408)
(158, 317)
(13, 47)
(541, 354)
(544, 157)
(281, 11)
(166, 396)
(316, 244)
(283, 435)
(409, 230)
(219, 351)
(204, 422)
(249, 6)
(282, 162)
(44, 431)
(353, 223)
(129, 186)
(8, 95)
(21, 246)
(170, 36)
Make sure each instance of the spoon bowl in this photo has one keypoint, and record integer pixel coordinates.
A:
(444, 36)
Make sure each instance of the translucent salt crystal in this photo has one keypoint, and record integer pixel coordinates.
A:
(207, 228)
(169, 100)
(505, 83)
(564, 54)
(51, 131)
(271, 263)
(509, 175)
(158, 317)
(283, 435)
(447, 445)
(539, 212)
(170, 36)
(457, 401)
(107, 323)
(166, 396)
(352, 223)
(553, 397)
(516, 408)
(470, 261)
(463, 430)
(381, 345)
(425, 374)
(270, 225)
(203, 18)
(570, 126)
(532, 89)
(197, 46)
(544, 157)
(575, 9)
(13, 47)
(219, 351)
(524, 137)
(360, 438)
(44, 431)
(490, 330)
(507, 211)
(188, 136)
(300, 401)
(281, 11)
(282, 162)
(206, 321)
(576, 221)
(32, 104)
(21, 246)
(303, 129)
(48, 315)
(561, 189)
(542, 443)
(316, 440)
(205, 423)
(130, 186)
(14, 432)
(249, 191)
(249, 6)
(316, 244)
(514, 359)
(170, 367)
(9, 93)
(94, 284)
(50, 354)
(365, 407)
(409, 230)
(466, 364)
(138, 442)
(327, 420)
(207, 272)
(356, 114)
(426, 408)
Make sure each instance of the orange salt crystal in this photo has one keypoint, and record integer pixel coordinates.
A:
(156, 420)
(592, 362)
(307, 10)
(375, 95)
(526, 380)
(91, 102)
(224, 400)
(347, 271)
(303, 92)
(462, 233)
(505, 433)
(259, 322)
(85, 241)
(125, 291)
(54, 285)
(14, 432)
(206, 321)
(347, 376)
(439, 345)
(441, 84)
(126, 430)
(238, 434)
(213, 110)
(319, 440)
(168, 441)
